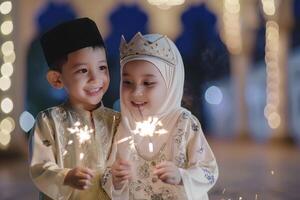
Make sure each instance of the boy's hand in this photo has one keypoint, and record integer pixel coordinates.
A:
(121, 171)
(168, 173)
(79, 178)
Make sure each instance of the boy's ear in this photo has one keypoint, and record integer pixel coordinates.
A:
(54, 78)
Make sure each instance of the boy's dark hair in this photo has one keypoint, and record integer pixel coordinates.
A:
(68, 37)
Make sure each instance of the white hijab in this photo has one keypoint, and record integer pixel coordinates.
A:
(171, 109)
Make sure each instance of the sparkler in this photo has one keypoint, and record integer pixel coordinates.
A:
(150, 145)
(83, 135)
(148, 128)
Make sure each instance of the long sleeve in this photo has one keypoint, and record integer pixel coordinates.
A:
(46, 174)
(202, 170)
(123, 193)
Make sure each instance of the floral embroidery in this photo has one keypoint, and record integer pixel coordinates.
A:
(167, 194)
(209, 176)
(156, 197)
(162, 158)
(148, 189)
(135, 157)
(195, 127)
(180, 160)
(143, 170)
(47, 143)
(62, 114)
(184, 115)
(200, 150)
(105, 177)
(178, 137)
(162, 194)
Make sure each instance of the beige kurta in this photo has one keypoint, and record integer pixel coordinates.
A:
(56, 147)
(185, 146)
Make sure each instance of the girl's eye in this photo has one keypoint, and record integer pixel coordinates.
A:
(125, 82)
(82, 71)
(148, 83)
(103, 67)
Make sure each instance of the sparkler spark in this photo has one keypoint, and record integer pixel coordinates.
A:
(124, 140)
(83, 134)
(223, 191)
(148, 127)
(150, 146)
(81, 155)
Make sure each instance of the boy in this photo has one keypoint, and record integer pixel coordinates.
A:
(70, 143)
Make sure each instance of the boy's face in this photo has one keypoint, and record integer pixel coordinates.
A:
(85, 77)
(143, 87)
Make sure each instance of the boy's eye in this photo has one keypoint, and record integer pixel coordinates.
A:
(81, 71)
(103, 67)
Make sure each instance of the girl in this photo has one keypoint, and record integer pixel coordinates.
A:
(159, 150)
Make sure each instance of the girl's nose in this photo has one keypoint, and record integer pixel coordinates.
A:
(138, 91)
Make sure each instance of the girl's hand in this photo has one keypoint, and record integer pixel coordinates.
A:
(79, 178)
(168, 173)
(121, 172)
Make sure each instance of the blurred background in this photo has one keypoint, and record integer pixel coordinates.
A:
(242, 65)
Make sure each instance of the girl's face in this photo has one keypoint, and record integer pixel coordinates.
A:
(143, 87)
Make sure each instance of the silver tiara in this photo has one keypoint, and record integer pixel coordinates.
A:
(138, 45)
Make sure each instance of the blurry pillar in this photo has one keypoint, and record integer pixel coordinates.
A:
(238, 23)
(278, 15)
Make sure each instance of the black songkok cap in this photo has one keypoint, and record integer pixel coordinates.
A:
(68, 37)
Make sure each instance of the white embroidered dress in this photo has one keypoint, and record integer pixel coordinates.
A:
(184, 144)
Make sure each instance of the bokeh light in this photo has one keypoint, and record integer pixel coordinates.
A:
(213, 95)
(26, 121)
(7, 27)
(7, 124)
(5, 7)
(5, 83)
(7, 69)
(10, 58)
(7, 105)
(7, 48)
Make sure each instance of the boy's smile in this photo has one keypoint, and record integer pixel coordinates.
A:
(93, 91)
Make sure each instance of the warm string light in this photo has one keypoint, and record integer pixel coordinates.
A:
(271, 110)
(232, 28)
(7, 124)
(269, 7)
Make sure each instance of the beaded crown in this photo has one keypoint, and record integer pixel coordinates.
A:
(139, 45)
